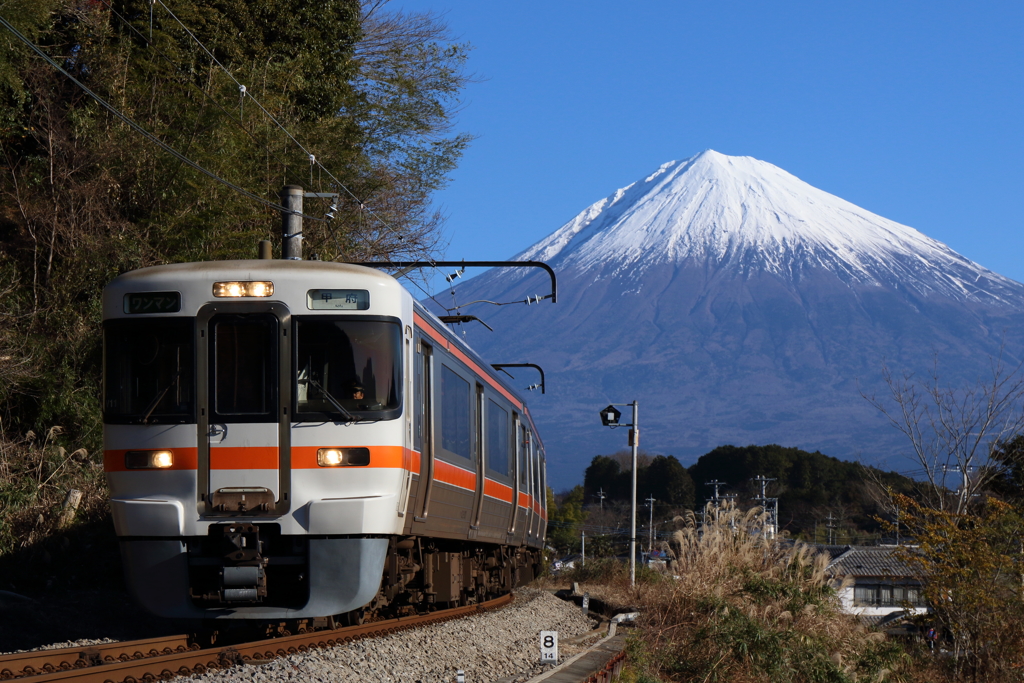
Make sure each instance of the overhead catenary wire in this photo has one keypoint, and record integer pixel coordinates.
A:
(314, 160)
(310, 155)
(139, 129)
(151, 45)
(175, 153)
(198, 167)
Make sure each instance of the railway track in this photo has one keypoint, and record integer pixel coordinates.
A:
(163, 658)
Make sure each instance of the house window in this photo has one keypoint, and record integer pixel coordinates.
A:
(887, 595)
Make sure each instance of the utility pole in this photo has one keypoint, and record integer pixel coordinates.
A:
(634, 441)
(765, 502)
(831, 527)
(715, 498)
(600, 497)
(730, 499)
(583, 548)
(610, 418)
(897, 525)
(291, 223)
(650, 524)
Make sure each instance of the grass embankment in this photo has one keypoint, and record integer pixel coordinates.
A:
(60, 571)
(55, 529)
(737, 607)
(36, 477)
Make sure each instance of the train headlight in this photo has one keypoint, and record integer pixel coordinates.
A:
(342, 457)
(148, 460)
(239, 289)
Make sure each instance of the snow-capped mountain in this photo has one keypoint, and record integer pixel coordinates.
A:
(738, 304)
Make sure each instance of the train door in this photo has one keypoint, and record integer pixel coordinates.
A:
(244, 397)
(423, 437)
(478, 502)
(528, 481)
(539, 493)
(514, 464)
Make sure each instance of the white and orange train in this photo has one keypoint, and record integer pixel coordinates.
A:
(300, 440)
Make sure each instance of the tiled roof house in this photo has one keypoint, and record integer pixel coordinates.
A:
(883, 584)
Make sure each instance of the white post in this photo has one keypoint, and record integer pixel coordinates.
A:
(650, 528)
(632, 523)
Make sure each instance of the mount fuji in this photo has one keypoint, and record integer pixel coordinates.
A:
(738, 305)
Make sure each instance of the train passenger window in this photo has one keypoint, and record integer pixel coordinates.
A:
(244, 367)
(347, 368)
(455, 407)
(149, 371)
(497, 438)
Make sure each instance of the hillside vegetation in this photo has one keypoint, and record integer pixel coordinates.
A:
(811, 488)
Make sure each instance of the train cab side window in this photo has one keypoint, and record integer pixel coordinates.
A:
(149, 371)
(497, 439)
(455, 413)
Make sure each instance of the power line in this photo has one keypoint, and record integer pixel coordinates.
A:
(184, 159)
(181, 157)
(243, 90)
(139, 129)
(151, 45)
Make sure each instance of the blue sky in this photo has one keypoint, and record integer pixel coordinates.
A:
(912, 110)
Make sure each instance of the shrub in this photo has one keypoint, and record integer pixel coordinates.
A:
(746, 606)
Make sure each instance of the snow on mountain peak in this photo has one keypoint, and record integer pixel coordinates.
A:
(746, 213)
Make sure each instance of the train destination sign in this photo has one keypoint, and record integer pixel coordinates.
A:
(337, 299)
(152, 302)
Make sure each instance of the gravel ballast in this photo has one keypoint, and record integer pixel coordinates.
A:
(498, 645)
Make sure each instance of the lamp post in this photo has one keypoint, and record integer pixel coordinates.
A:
(610, 418)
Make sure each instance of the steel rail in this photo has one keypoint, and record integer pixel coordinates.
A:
(22, 664)
(199, 661)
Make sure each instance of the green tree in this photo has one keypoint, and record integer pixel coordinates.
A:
(668, 481)
(805, 483)
(564, 520)
(605, 474)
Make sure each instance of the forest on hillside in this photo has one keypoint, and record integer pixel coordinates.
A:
(820, 498)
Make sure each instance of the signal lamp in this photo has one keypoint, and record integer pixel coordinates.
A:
(240, 289)
(610, 416)
(148, 460)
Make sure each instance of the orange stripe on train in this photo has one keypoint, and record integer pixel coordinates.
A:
(431, 332)
(495, 489)
(456, 476)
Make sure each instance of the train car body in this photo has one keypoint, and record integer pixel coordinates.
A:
(301, 439)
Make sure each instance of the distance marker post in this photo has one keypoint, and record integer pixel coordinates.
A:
(549, 647)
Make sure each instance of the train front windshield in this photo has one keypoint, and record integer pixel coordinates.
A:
(347, 369)
(149, 371)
